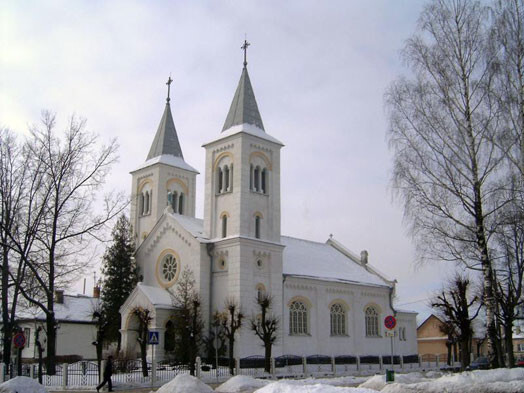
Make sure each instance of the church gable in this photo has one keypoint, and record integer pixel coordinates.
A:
(168, 249)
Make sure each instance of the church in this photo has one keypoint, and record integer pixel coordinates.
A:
(330, 300)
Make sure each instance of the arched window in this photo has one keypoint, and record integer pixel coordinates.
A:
(181, 203)
(219, 180)
(169, 337)
(261, 291)
(226, 178)
(141, 204)
(172, 199)
(257, 179)
(371, 322)
(224, 225)
(264, 181)
(338, 320)
(146, 203)
(251, 174)
(257, 227)
(298, 318)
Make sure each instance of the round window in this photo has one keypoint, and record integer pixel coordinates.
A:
(167, 268)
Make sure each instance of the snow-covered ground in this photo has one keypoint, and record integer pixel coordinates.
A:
(481, 381)
(22, 385)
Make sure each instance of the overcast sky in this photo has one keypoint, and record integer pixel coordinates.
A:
(319, 71)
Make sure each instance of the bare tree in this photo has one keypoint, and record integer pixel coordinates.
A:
(231, 321)
(455, 303)
(442, 126)
(73, 169)
(144, 318)
(265, 326)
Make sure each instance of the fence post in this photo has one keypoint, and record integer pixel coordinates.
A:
(237, 366)
(401, 362)
(304, 365)
(198, 366)
(31, 371)
(272, 367)
(333, 365)
(153, 371)
(438, 360)
(2, 372)
(380, 362)
(358, 362)
(64, 374)
(419, 361)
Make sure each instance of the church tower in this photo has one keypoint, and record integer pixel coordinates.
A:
(165, 180)
(242, 210)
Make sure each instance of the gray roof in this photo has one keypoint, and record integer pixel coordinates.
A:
(244, 107)
(166, 139)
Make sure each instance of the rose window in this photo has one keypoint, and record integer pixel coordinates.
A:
(169, 267)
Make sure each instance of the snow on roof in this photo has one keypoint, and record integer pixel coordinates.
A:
(195, 226)
(158, 297)
(305, 258)
(248, 129)
(77, 308)
(167, 159)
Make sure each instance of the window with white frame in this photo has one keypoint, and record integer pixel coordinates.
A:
(338, 320)
(371, 315)
(298, 318)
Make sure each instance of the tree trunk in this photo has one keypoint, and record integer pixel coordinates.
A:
(267, 359)
(508, 335)
(449, 345)
(143, 355)
(464, 353)
(51, 343)
(7, 335)
(231, 355)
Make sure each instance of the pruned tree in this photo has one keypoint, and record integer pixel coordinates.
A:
(144, 319)
(187, 319)
(120, 276)
(451, 343)
(231, 321)
(443, 123)
(459, 308)
(265, 326)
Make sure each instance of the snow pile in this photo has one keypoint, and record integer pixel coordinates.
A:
(298, 387)
(480, 381)
(340, 381)
(378, 382)
(22, 385)
(185, 383)
(241, 384)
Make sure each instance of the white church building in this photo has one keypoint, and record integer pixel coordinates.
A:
(330, 301)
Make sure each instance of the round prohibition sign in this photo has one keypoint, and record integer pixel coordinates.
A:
(19, 340)
(390, 322)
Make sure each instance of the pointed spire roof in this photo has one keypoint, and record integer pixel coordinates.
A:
(166, 139)
(244, 108)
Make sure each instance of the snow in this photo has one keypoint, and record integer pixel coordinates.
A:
(248, 129)
(378, 382)
(159, 297)
(185, 383)
(77, 308)
(241, 384)
(195, 226)
(305, 258)
(22, 385)
(289, 387)
(167, 159)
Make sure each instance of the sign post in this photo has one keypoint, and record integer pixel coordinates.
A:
(153, 339)
(19, 342)
(390, 322)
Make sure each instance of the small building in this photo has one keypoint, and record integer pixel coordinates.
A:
(76, 329)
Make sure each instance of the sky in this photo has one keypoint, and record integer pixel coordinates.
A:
(319, 71)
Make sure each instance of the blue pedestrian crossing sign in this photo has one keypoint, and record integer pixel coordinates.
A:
(153, 338)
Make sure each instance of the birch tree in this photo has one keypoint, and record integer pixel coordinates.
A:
(442, 126)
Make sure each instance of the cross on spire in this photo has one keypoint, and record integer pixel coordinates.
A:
(244, 48)
(168, 83)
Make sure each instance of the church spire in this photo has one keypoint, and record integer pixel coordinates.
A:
(166, 139)
(244, 108)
